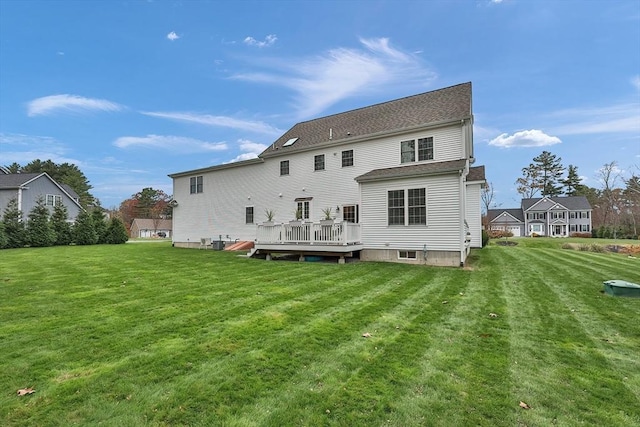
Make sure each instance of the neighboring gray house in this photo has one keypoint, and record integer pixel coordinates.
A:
(397, 180)
(26, 188)
(545, 216)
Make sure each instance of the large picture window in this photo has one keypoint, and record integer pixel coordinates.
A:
(407, 207)
(196, 184)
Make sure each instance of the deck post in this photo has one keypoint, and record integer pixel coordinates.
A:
(341, 260)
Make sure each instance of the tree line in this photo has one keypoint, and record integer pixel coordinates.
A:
(615, 203)
(44, 229)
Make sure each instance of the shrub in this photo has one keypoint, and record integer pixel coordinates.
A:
(567, 246)
(3, 236)
(485, 238)
(39, 230)
(83, 231)
(116, 232)
(578, 234)
(13, 225)
(584, 247)
(597, 248)
(499, 234)
(60, 224)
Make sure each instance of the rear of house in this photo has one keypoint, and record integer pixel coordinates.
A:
(395, 178)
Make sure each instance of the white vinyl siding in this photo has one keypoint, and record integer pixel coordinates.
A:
(230, 188)
(53, 199)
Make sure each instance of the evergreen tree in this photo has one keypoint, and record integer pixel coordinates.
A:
(39, 230)
(529, 184)
(551, 171)
(3, 236)
(84, 232)
(13, 225)
(572, 183)
(116, 232)
(61, 225)
(99, 224)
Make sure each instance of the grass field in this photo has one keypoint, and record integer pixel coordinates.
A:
(147, 334)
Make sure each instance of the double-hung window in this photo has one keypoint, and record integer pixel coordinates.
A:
(195, 184)
(53, 199)
(409, 151)
(407, 207)
(347, 158)
(350, 213)
(284, 167)
(248, 215)
(318, 162)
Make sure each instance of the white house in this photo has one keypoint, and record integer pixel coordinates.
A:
(396, 178)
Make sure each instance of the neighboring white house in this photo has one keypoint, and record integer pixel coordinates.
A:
(26, 188)
(396, 178)
(147, 227)
(544, 216)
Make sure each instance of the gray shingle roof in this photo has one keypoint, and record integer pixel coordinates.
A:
(423, 169)
(573, 203)
(438, 106)
(516, 213)
(476, 173)
(15, 180)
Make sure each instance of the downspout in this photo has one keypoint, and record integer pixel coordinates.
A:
(20, 199)
(462, 215)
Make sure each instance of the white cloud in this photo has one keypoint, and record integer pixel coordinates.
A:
(321, 81)
(173, 36)
(177, 144)
(635, 81)
(267, 42)
(525, 138)
(219, 121)
(70, 103)
(250, 150)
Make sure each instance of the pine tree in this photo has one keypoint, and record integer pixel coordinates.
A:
(99, 224)
(39, 230)
(61, 225)
(551, 171)
(13, 225)
(83, 231)
(572, 183)
(3, 236)
(116, 232)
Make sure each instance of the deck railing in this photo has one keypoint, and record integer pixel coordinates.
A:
(309, 233)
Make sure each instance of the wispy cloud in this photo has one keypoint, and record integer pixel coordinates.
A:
(635, 81)
(173, 36)
(23, 149)
(250, 150)
(218, 121)
(69, 103)
(323, 80)
(525, 138)
(622, 118)
(267, 42)
(171, 143)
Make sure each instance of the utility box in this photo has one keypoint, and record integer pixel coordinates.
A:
(217, 245)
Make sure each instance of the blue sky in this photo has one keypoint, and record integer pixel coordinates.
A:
(131, 91)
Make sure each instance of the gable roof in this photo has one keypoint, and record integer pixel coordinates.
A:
(17, 180)
(572, 203)
(430, 108)
(517, 214)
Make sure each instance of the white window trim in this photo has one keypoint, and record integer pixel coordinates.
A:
(407, 254)
(406, 207)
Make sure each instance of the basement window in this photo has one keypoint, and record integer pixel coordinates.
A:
(407, 255)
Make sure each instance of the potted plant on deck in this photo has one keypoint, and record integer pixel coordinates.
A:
(298, 217)
(328, 219)
(269, 214)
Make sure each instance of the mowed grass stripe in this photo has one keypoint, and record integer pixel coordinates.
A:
(554, 353)
(397, 333)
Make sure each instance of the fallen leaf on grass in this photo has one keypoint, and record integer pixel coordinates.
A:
(445, 302)
(524, 405)
(366, 335)
(493, 315)
(25, 391)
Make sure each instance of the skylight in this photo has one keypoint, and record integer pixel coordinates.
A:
(290, 142)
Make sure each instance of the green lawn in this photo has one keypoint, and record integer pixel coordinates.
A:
(147, 334)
